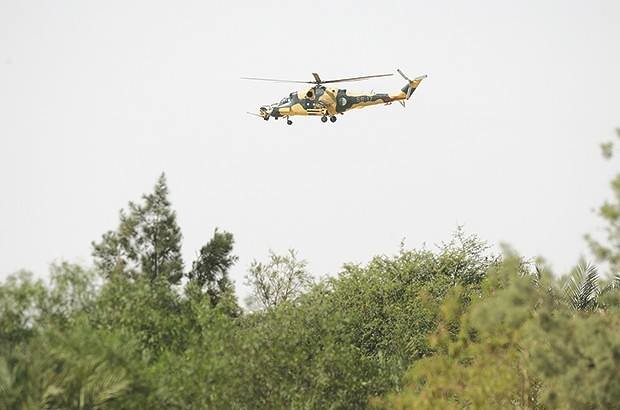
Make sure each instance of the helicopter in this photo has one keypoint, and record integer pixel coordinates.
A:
(327, 102)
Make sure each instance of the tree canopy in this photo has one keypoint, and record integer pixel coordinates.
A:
(452, 326)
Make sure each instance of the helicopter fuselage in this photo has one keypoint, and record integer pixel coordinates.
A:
(320, 100)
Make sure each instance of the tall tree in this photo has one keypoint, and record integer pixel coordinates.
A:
(610, 213)
(281, 279)
(209, 272)
(147, 242)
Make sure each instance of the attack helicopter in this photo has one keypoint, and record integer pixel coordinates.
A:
(327, 102)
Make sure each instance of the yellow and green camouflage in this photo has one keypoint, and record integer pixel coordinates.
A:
(321, 100)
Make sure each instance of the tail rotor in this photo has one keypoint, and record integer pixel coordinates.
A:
(411, 85)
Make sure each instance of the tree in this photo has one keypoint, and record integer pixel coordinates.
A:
(477, 362)
(521, 344)
(21, 298)
(281, 279)
(50, 355)
(147, 242)
(610, 213)
(77, 368)
(210, 270)
(73, 289)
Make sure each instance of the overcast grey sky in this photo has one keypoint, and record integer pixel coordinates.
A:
(98, 98)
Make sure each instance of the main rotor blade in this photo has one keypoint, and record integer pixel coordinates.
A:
(278, 81)
(318, 79)
(366, 77)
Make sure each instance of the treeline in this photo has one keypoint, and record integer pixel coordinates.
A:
(455, 326)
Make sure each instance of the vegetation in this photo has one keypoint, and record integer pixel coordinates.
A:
(455, 326)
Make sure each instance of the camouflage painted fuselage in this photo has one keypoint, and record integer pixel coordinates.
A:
(325, 101)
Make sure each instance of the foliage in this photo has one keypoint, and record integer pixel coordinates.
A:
(150, 312)
(609, 251)
(450, 327)
(519, 346)
(50, 356)
(581, 288)
(577, 357)
(147, 242)
(21, 299)
(209, 274)
(346, 339)
(392, 302)
(281, 279)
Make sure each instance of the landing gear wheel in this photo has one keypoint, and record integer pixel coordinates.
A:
(333, 118)
(266, 118)
(324, 118)
(289, 122)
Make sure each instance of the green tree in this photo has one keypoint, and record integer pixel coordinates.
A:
(150, 312)
(281, 279)
(73, 290)
(522, 344)
(210, 271)
(147, 242)
(581, 288)
(77, 368)
(477, 361)
(609, 252)
(21, 301)
(83, 369)
(50, 355)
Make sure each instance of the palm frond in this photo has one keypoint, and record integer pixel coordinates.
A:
(615, 282)
(581, 289)
(612, 285)
(537, 275)
(108, 387)
(5, 378)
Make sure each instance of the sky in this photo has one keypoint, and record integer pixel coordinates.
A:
(97, 99)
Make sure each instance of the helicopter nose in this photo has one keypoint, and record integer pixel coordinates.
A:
(264, 112)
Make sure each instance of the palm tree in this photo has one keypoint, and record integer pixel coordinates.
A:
(581, 290)
(62, 373)
(82, 371)
(89, 384)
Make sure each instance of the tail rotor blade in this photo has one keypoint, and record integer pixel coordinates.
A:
(403, 75)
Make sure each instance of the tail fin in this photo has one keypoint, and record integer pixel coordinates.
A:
(411, 85)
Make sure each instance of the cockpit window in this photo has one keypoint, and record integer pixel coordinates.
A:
(284, 101)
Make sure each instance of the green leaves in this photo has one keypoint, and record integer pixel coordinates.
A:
(81, 378)
(581, 289)
(77, 368)
(279, 280)
(147, 242)
(609, 252)
(209, 272)
(522, 345)
(22, 300)
(450, 327)
(576, 357)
